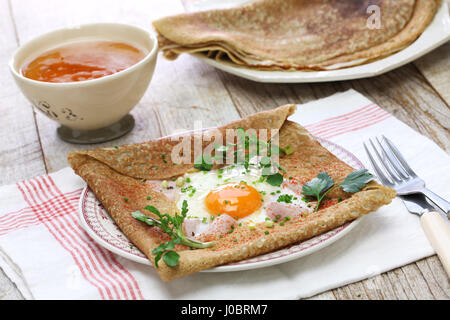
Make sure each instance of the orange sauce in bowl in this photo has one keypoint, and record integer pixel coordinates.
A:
(81, 61)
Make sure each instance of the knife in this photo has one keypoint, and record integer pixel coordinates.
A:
(435, 227)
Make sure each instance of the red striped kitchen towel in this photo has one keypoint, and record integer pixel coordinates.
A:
(47, 254)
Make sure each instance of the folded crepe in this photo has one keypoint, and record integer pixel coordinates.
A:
(118, 177)
(298, 34)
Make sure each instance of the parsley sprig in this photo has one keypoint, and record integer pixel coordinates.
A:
(173, 227)
(320, 186)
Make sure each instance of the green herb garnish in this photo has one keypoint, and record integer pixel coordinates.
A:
(173, 227)
(356, 180)
(247, 146)
(275, 179)
(203, 163)
(320, 186)
(287, 198)
(287, 150)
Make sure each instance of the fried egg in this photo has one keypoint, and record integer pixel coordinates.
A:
(239, 193)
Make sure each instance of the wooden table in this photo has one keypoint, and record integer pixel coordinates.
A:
(186, 89)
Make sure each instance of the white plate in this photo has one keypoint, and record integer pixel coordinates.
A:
(102, 228)
(437, 33)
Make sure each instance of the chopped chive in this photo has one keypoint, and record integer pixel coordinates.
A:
(288, 150)
(179, 182)
(269, 223)
(287, 198)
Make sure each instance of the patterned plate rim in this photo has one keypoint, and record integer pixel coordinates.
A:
(125, 248)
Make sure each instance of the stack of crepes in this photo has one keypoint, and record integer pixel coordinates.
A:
(298, 34)
(118, 177)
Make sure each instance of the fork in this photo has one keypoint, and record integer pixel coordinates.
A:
(399, 174)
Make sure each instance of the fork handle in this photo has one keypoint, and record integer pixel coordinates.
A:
(438, 233)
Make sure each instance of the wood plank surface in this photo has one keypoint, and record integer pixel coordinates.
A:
(21, 154)
(186, 89)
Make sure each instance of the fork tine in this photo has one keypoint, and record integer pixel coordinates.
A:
(376, 168)
(394, 164)
(399, 157)
(385, 166)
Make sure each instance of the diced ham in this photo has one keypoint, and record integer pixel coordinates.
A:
(170, 192)
(220, 225)
(294, 185)
(279, 210)
(191, 227)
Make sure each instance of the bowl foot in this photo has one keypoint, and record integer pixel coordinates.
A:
(114, 131)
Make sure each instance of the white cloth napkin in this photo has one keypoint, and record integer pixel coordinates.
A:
(46, 253)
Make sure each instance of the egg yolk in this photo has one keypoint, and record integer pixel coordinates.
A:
(238, 200)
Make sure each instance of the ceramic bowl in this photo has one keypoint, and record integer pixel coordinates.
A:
(92, 110)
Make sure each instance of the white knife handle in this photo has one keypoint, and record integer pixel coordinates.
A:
(438, 233)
